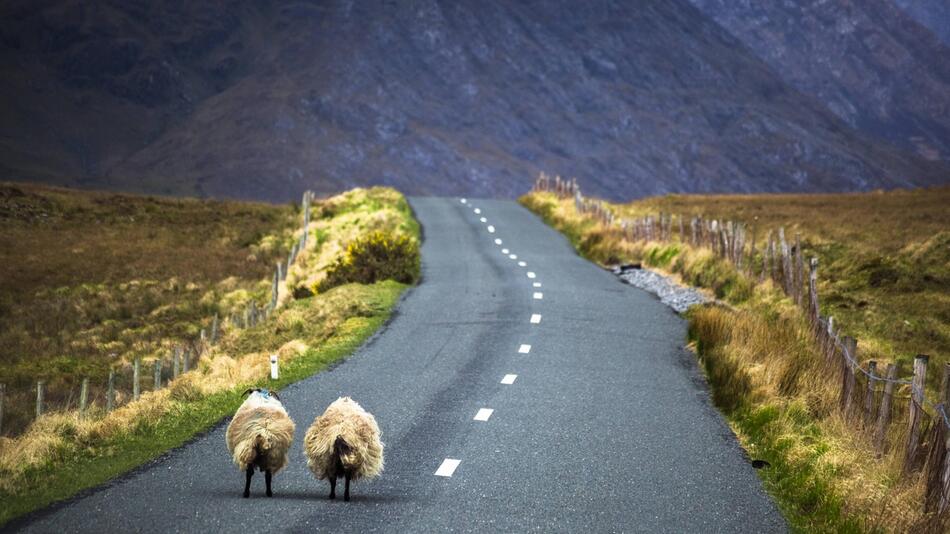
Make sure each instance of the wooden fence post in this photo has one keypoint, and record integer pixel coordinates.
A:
(786, 261)
(813, 290)
(110, 393)
(83, 397)
(158, 374)
(830, 340)
(938, 467)
(214, 329)
(186, 363)
(176, 355)
(869, 394)
(135, 378)
(916, 412)
(884, 415)
(3, 393)
(849, 354)
(799, 268)
(40, 386)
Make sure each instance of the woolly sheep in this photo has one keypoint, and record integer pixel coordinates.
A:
(259, 436)
(344, 441)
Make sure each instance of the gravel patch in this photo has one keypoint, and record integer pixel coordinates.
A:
(674, 295)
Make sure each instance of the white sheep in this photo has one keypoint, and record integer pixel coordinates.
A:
(344, 441)
(260, 435)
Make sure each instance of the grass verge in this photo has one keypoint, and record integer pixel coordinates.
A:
(62, 452)
(764, 369)
(95, 463)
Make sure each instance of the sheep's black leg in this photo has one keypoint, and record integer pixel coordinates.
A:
(267, 477)
(333, 487)
(247, 484)
(346, 492)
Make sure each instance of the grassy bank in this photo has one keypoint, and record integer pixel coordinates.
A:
(62, 452)
(884, 265)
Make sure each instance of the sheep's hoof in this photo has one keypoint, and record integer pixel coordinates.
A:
(332, 496)
(270, 494)
(346, 498)
(247, 494)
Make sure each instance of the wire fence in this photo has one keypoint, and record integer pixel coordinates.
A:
(135, 375)
(925, 442)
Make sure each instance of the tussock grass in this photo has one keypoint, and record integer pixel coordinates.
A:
(60, 452)
(885, 269)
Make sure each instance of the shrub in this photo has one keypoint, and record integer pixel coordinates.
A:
(375, 257)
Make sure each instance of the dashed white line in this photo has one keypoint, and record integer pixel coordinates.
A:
(535, 318)
(483, 220)
(509, 379)
(537, 284)
(538, 295)
(524, 348)
(513, 256)
(504, 251)
(497, 241)
(483, 414)
(491, 229)
(463, 201)
(477, 211)
(447, 468)
(531, 274)
(522, 264)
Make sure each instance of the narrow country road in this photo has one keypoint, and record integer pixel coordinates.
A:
(519, 388)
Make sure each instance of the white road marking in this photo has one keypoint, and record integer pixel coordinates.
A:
(504, 251)
(483, 414)
(491, 229)
(524, 348)
(537, 284)
(447, 468)
(509, 379)
(513, 256)
(522, 264)
(538, 295)
(483, 219)
(535, 318)
(477, 211)
(497, 241)
(531, 274)
(463, 201)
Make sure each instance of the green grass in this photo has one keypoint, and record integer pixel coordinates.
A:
(80, 469)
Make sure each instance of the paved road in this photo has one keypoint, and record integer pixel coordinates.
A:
(607, 426)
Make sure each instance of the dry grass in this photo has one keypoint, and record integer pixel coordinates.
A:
(767, 376)
(92, 280)
(299, 327)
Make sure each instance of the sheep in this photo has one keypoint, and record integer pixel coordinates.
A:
(344, 441)
(259, 436)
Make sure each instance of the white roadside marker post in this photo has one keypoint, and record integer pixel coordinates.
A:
(274, 370)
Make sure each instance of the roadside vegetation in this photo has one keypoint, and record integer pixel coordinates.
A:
(885, 268)
(142, 274)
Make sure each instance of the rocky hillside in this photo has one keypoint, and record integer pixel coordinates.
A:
(869, 62)
(934, 14)
(263, 100)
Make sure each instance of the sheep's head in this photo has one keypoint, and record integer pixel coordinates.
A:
(264, 392)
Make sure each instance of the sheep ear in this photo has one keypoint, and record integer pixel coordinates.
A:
(275, 395)
(248, 392)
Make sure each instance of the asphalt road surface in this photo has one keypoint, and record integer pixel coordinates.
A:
(599, 422)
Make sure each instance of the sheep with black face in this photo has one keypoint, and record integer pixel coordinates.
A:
(259, 436)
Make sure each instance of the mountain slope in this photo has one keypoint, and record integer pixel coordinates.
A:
(871, 63)
(463, 97)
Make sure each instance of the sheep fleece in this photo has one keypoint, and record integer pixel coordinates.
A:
(260, 424)
(358, 428)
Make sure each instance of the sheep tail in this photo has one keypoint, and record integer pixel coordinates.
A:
(345, 453)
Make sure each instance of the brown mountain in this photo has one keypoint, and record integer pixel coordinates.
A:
(264, 99)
